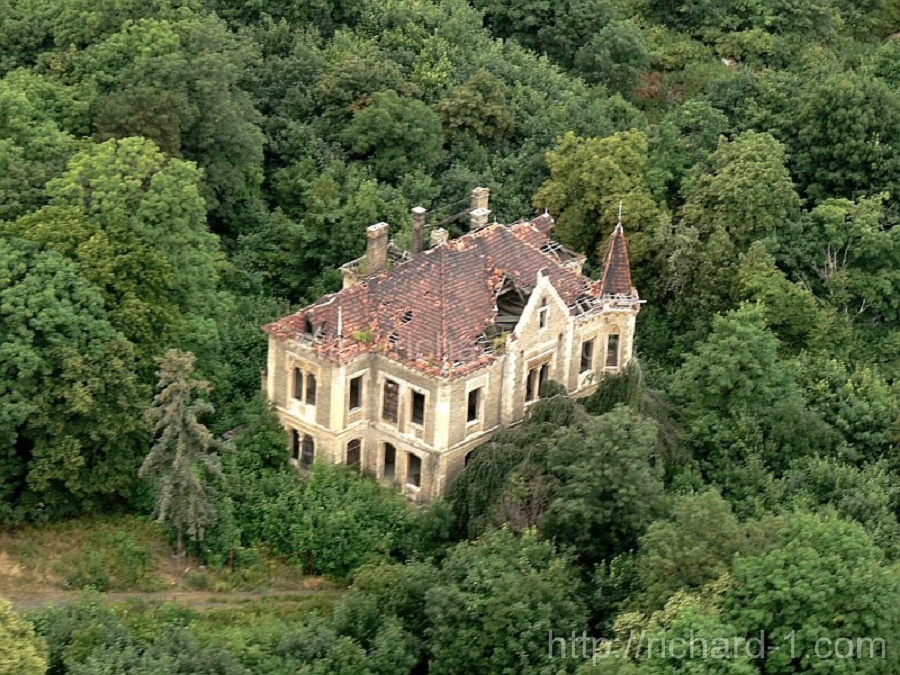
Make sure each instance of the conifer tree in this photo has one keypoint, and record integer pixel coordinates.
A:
(182, 462)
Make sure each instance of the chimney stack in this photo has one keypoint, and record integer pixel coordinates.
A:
(479, 212)
(376, 248)
(418, 230)
(439, 236)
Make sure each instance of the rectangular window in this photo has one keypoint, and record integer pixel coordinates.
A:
(417, 415)
(612, 351)
(473, 412)
(542, 314)
(587, 356)
(390, 461)
(310, 389)
(298, 384)
(356, 393)
(413, 469)
(295, 444)
(531, 385)
(391, 401)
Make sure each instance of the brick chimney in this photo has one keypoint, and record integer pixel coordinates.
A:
(479, 212)
(439, 236)
(376, 248)
(418, 230)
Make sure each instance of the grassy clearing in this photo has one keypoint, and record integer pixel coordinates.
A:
(126, 553)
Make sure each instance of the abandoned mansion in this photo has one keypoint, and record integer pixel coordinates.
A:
(424, 354)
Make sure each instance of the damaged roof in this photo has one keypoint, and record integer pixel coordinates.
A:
(433, 311)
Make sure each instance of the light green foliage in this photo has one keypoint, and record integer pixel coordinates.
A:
(688, 636)
(692, 548)
(70, 403)
(144, 217)
(790, 309)
(396, 135)
(848, 254)
(866, 496)
(858, 403)
(747, 191)
(20, 650)
(182, 463)
(825, 580)
(33, 149)
(589, 178)
(496, 601)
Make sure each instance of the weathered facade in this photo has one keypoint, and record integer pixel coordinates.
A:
(423, 355)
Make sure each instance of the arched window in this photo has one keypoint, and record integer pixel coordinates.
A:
(307, 451)
(354, 452)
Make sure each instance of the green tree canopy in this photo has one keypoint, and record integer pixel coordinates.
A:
(182, 462)
(21, 651)
(825, 581)
(396, 134)
(589, 179)
(70, 426)
(496, 601)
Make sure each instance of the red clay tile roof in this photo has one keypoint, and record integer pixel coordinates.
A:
(430, 312)
(616, 269)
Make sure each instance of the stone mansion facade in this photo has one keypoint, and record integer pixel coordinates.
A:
(425, 354)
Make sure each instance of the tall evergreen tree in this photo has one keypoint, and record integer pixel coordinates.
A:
(183, 462)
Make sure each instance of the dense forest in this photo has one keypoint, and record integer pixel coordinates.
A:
(176, 173)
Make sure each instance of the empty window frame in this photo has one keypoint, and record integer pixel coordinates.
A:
(307, 451)
(298, 384)
(356, 393)
(531, 385)
(390, 402)
(542, 313)
(612, 351)
(417, 410)
(354, 452)
(587, 356)
(543, 376)
(310, 389)
(413, 469)
(473, 407)
(390, 461)
(295, 444)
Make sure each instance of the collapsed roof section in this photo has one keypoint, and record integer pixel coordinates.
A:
(443, 311)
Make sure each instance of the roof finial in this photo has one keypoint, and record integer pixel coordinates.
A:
(620, 213)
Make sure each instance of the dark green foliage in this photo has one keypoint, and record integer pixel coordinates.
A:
(608, 484)
(754, 148)
(395, 134)
(495, 602)
(182, 463)
(70, 426)
(622, 388)
(823, 568)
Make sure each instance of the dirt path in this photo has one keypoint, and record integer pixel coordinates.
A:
(198, 599)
